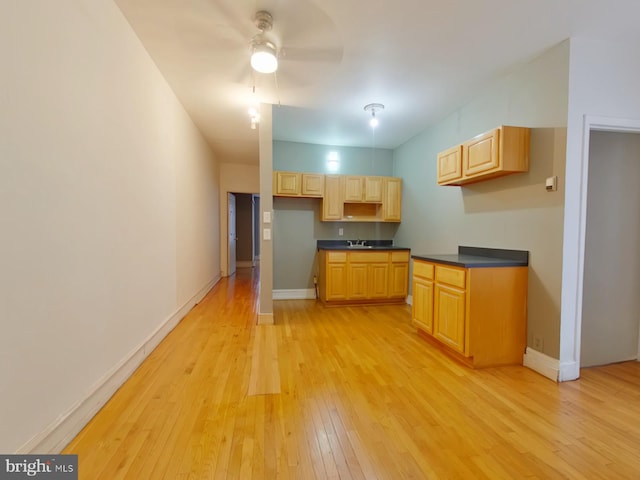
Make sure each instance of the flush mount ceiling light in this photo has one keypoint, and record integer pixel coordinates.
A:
(373, 108)
(263, 52)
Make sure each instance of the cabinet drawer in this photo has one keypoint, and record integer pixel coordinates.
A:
(368, 257)
(451, 276)
(424, 270)
(399, 256)
(336, 257)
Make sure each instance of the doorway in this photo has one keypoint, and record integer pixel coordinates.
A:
(610, 300)
(243, 246)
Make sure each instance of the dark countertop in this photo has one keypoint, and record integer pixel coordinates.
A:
(371, 245)
(476, 257)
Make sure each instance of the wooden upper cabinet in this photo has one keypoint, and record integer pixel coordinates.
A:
(312, 185)
(286, 183)
(332, 204)
(345, 198)
(480, 154)
(450, 165)
(499, 152)
(353, 188)
(363, 189)
(373, 187)
(392, 199)
(296, 184)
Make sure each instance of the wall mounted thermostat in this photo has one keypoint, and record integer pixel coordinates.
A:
(552, 184)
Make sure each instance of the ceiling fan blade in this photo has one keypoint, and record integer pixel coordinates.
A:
(311, 54)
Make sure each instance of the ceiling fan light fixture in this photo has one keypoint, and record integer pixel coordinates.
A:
(263, 58)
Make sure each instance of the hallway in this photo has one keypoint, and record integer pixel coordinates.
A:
(360, 396)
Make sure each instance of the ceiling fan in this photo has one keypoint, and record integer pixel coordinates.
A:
(295, 40)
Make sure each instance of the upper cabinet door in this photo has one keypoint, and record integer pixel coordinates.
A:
(392, 199)
(353, 186)
(286, 183)
(481, 154)
(450, 165)
(312, 184)
(373, 189)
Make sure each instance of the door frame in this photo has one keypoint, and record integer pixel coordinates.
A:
(574, 247)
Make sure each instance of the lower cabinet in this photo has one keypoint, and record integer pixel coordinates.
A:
(478, 315)
(357, 277)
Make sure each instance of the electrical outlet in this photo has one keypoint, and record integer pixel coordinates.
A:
(315, 280)
(340, 232)
(538, 343)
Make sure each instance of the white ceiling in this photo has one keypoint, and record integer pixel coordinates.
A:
(420, 58)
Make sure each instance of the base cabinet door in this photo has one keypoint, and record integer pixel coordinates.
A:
(449, 316)
(399, 279)
(422, 306)
(357, 279)
(378, 280)
(336, 281)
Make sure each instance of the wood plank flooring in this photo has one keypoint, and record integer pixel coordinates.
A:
(361, 396)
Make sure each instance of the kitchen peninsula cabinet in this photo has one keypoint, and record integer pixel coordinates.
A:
(362, 276)
(473, 305)
(498, 152)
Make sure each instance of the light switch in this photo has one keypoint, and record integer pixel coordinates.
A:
(266, 234)
(551, 184)
(266, 217)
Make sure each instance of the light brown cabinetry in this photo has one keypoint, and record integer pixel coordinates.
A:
(498, 152)
(332, 204)
(478, 315)
(357, 277)
(296, 184)
(392, 204)
(345, 198)
(363, 189)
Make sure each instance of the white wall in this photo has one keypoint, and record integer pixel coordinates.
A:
(603, 91)
(108, 200)
(611, 304)
(513, 212)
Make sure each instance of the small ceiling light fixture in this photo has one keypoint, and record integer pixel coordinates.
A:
(264, 57)
(373, 108)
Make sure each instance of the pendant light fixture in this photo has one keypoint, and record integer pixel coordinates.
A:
(373, 108)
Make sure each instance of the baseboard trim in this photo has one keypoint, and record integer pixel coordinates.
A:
(266, 319)
(541, 363)
(410, 300)
(64, 429)
(295, 294)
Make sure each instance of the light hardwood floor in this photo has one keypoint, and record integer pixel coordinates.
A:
(354, 393)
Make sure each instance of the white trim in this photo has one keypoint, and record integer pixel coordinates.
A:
(244, 264)
(295, 294)
(541, 363)
(410, 300)
(574, 245)
(60, 432)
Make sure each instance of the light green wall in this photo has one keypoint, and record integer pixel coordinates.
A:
(296, 223)
(513, 212)
(306, 157)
